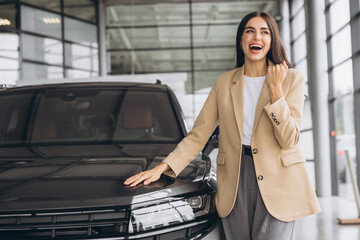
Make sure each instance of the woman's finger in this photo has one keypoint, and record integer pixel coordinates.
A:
(282, 67)
(285, 65)
(139, 180)
(133, 178)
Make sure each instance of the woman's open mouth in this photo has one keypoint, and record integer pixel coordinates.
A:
(255, 48)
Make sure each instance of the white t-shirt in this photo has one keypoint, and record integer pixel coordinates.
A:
(252, 89)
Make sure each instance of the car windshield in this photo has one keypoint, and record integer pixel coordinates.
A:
(87, 115)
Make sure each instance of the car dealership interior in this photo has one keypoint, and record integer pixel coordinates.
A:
(187, 44)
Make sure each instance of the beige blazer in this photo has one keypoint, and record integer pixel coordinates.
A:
(279, 164)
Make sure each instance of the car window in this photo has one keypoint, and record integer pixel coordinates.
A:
(15, 110)
(84, 115)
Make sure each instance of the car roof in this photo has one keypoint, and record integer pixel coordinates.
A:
(155, 86)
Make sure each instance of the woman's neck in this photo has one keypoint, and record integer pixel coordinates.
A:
(255, 69)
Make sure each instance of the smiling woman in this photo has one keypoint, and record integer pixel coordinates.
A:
(258, 107)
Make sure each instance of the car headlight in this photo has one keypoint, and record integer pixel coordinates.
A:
(169, 213)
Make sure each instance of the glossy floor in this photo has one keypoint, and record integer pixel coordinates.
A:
(324, 226)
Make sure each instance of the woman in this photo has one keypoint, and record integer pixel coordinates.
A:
(263, 185)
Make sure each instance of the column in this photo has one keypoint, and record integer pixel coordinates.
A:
(102, 38)
(355, 42)
(318, 92)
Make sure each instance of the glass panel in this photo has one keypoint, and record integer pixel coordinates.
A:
(226, 11)
(9, 76)
(33, 71)
(161, 37)
(200, 99)
(150, 61)
(53, 5)
(344, 108)
(186, 102)
(298, 24)
(345, 140)
(343, 78)
(306, 122)
(296, 5)
(8, 64)
(214, 58)
(215, 35)
(299, 48)
(10, 45)
(89, 115)
(39, 21)
(341, 45)
(74, 73)
(40, 49)
(9, 71)
(83, 9)
(80, 32)
(205, 80)
(339, 14)
(302, 67)
(13, 118)
(203, 83)
(81, 57)
(148, 14)
(306, 144)
(7, 15)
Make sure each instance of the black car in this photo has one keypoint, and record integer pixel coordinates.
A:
(66, 149)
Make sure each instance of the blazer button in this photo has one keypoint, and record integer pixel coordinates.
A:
(260, 177)
(255, 151)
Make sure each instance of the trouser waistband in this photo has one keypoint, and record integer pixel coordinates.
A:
(246, 150)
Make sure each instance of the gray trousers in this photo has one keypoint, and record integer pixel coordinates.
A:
(249, 219)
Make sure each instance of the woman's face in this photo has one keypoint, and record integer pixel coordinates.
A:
(256, 40)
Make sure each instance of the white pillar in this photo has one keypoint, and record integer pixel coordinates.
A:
(355, 42)
(284, 25)
(318, 91)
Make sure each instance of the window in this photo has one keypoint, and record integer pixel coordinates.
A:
(52, 45)
(39, 21)
(41, 49)
(88, 115)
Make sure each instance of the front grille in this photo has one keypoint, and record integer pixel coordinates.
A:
(93, 224)
(81, 223)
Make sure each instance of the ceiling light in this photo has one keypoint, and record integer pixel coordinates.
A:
(4, 22)
(51, 20)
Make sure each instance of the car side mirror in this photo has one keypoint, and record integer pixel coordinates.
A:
(212, 143)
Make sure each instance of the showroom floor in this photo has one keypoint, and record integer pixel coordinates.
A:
(324, 226)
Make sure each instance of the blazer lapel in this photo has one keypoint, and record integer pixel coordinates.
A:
(237, 97)
(264, 98)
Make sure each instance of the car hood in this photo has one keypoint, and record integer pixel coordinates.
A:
(68, 177)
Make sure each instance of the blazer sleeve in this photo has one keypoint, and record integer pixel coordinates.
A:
(192, 144)
(285, 114)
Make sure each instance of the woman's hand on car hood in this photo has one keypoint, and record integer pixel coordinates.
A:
(148, 176)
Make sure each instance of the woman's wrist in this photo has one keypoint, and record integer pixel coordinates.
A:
(276, 93)
(163, 167)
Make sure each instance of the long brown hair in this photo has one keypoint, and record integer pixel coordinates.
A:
(276, 53)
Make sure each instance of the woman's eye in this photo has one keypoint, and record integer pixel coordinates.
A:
(249, 31)
(265, 32)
